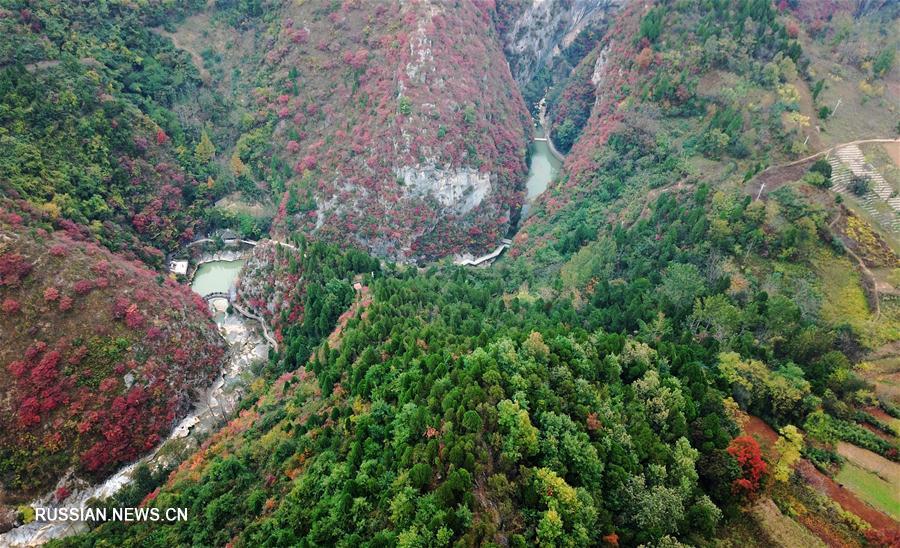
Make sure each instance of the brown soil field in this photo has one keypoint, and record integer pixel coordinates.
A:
(879, 414)
(775, 177)
(893, 150)
(878, 432)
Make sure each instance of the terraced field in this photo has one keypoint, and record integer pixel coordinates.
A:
(881, 203)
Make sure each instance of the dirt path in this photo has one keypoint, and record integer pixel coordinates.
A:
(780, 529)
(880, 415)
(773, 177)
(361, 303)
(864, 270)
(887, 470)
(42, 65)
(764, 434)
(872, 283)
(262, 322)
(767, 436)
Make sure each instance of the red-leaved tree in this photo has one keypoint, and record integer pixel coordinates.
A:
(746, 451)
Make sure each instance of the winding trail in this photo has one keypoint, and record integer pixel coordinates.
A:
(253, 243)
(842, 145)
(271, 340)
(876, 296)
(767, 436)
(762, 186)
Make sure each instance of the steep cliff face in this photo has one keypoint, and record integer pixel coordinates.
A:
(393, 127)
(536, 32)
(415, 147)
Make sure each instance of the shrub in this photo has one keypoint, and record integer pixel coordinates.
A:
(58, 250)
(133, 317)
(10, 306)
(13, 267)
(860, 186)
(816, 179)
(747, 453)
(83, 287)
(420, 475)
(821, 166)
(883, 62)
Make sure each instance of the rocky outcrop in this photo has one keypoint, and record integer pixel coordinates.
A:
(460, 190)
(545, 27)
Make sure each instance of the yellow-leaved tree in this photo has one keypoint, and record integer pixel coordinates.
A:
(237, 166)
(205, 150)
(788, 447)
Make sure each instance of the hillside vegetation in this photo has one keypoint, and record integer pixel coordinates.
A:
(672, 352)
(100, 355)
(376, 124)
(89, 134)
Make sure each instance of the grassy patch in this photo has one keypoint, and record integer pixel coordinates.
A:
(885, 469)
(871, 489)
(741, 532)
(885, 375)
(844, 301)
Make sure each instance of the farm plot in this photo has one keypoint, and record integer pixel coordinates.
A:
(870, 488)
(871, 477)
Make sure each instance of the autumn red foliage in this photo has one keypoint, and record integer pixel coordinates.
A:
(98, 372)
(883, 538)
(459, 114)
(51, 294)
(10, 306)
(747, 453)
(13, 267)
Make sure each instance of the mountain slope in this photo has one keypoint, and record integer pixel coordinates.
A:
(100, 355)
(611, 381)
(381, 125)
(88, 131)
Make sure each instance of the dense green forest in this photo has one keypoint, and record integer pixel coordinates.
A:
(455, 409)
(447, 393)
(103, 122)
(692, 339)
